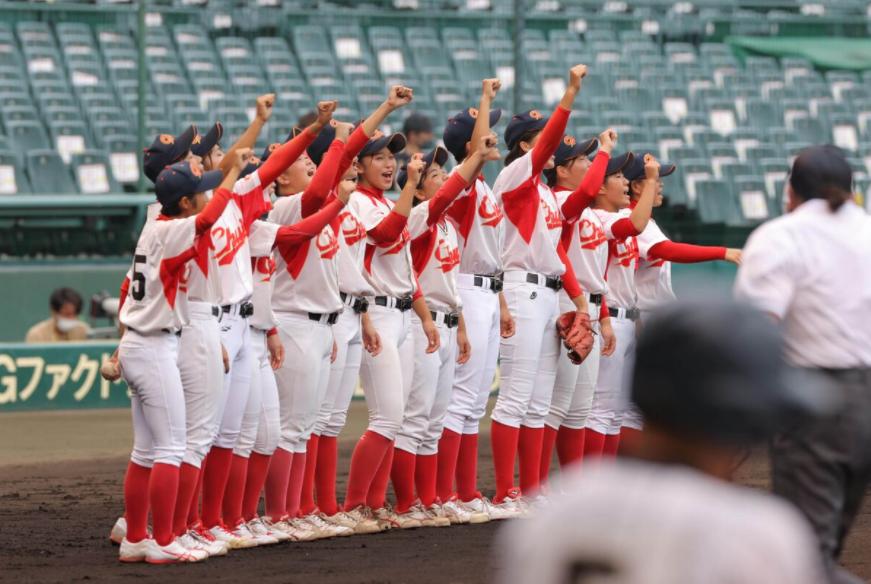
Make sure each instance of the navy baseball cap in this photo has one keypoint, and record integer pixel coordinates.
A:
(202, 145)
(715, 369)
(569, 149)
(438, 155)
(635, 170)
(619, 163)
(181, 179)
(394, 142)
(165, 150)
(253, 164)
(522, 123)
(459, 130)
(321, 144)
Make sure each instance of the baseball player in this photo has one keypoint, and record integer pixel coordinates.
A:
(535, 270)
(576, 181)
(655, 255)
(436, 255)
(620, 226)
(152, 314)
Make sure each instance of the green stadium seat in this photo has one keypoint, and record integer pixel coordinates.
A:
(13, 181)
(93, 173)
(69, 137)
(124, 157)
(690, 171)
(715, 203)
(48, 173)
(755, 204)
(27, 135)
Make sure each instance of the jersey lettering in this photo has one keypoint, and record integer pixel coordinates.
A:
(265, 267)
(448, 258)
(490, 214)
(592, 235)
(232, 242)
(352, 229)
(625, 251)
(327, 244)
(551, 217)
(137, 283)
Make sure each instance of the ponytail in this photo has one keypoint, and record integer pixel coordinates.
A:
(822, 172)
(516, 151)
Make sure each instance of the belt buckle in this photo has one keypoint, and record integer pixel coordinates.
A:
(361, 305)
(333, 318)
(216, 312)
(246, 309)
(497, 285)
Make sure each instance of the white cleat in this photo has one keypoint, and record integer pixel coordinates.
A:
(290, 529)
(437, 516)
(119, 531)
(259, 527)
(192, 547)
(510, 507)
(411, 519)
(212, 546)
(324, 529)
(480, 510)
(133, 552)
(456, 512)
(242, 532)
(172, 553)
(233, 541)
(387, 518)
(360, 519)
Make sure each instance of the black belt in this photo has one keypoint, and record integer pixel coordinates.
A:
(549, 282)
(493, 283)
(359, 305)
(176, 332)
(596, 299)
(451, 320)
(402, 304)
(332, 317)
(632, 314)
(216, 312)
(246, 309)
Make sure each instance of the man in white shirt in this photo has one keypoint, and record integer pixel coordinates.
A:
(710, 380)
(811, 271)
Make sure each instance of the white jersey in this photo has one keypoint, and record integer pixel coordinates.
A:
(534, 225)
(622, 262)
(435, 254)
(387, 266)
(476, 215)
(263, 317)
(352, 249)
(153, 300)
(307, 278)
(653, 278)
(586, 245)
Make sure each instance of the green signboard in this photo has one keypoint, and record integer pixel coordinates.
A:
(57, 377)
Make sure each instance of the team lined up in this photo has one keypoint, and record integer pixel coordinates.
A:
(245, 337)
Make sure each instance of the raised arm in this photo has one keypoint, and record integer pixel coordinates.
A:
(553, 132)
(390, 227)
(489, 89)
(585, 194)
(398, 96)
(462, 177)
(213, 209)
(641, 213)
(287, 153)
(323, 181)
(687, 253)
(290, 235)
(248, 139)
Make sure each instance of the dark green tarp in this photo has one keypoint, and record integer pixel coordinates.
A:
(827, 53)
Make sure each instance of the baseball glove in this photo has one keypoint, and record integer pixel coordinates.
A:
(575, 330)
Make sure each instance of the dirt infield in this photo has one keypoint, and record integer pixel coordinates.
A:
(55, 515)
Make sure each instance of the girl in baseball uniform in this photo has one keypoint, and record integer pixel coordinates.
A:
(436, 256)
(620, 225)
(535, 265)
(153, 314)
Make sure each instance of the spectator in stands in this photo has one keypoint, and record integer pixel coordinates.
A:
(418, 137)
(64, 324)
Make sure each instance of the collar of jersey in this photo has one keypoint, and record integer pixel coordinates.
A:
(374, 193)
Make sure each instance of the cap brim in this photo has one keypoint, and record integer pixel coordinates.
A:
(210, 181)
(495, 116)
(394, 143)
(619, 163)
(439, 155)
(182, 144)
(666, 168)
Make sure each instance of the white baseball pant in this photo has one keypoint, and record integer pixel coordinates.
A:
(237, 383)
(575, 384)
(344, 373)
(202, 376)
(302, 379)
(149, 366)
(262, 377)
(612, 388)
(428, 389)
(382, 375)
(528, 360)
(473, 379)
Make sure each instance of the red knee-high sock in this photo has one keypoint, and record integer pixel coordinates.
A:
(162, 492)
(294, 486)
(529, 448)
(402, 475)
(365, 462)
(628, 436)
(449, 450)
(188, 477)
(377, 497)
(232, 505)
(547, 443)
(325, 474)
(194, 509)
(136, 494)
(258, 465)
(215, 484)
(277, 479)
(307, 498)
(594, 444)
(570, 445)
(504, 439)
(467, 468)
(612, 443)
(425, 471)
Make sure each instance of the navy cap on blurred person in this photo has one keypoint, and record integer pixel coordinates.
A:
(458, 130)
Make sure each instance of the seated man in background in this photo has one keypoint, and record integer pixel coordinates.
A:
(711, 382)
(63, 325)
(417, 128)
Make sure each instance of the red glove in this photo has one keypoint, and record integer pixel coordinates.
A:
(575, 330)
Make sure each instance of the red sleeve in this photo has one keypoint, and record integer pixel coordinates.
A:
(686, 253)
(289, 235)
(444, 197)
(207, 217)
(356, 141)
(284, 156)
(623, 228)
(549, 139)
(272, 332)
(570, 281)
(389, 229)
(603, 312)
(586, 192)
(319, 187)
(125, 288)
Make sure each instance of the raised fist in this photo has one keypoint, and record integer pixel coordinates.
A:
(490, 87)
(343, 129)
(265, 103)
(488, 147)
(325, 111)
(241, 157)
(607, 140)
(399, 96)
(577, 73)
(651, 167)
(415, 169)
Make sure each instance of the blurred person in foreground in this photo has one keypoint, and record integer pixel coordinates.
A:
(810, 270)
(63, 325)
(711, 382)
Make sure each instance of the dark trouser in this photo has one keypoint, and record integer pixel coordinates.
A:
(824, 467)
